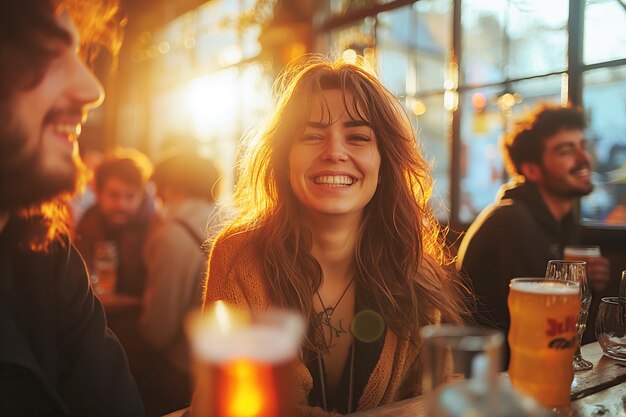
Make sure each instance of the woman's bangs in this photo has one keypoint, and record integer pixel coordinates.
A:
(356, 102)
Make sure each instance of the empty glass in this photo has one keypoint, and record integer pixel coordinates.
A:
(575, 271)
(460, 375)
(611, 328)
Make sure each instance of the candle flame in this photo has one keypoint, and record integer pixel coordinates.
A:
(222, 316)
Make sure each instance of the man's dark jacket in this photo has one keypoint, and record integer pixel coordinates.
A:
(515, 237)
(57, 358)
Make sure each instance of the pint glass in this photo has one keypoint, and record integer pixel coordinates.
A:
(581, 252)
(245, 369)
(105, 262)
(543, 338)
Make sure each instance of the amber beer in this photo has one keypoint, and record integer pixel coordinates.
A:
(105, 264)
(543, 338)
(581, 253)
(245, 388)
(246, 369)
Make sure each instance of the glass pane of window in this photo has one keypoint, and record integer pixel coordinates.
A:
(480, 165)
(603, 94)
(484, 117)
(512, 39)
(358, 37)
(536, 91)
(432, 135)
(413, 44)
(537, 37)
(482, 37)
(605, 30)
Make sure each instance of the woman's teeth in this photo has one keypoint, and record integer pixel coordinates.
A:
(335, 180)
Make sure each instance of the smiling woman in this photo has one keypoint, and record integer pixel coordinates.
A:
(334, 223)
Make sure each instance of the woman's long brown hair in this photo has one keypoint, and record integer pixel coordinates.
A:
(400, 254)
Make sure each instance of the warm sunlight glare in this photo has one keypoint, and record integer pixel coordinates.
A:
(212, 102)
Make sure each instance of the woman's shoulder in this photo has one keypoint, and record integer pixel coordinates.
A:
(236, 242)
(235, 272)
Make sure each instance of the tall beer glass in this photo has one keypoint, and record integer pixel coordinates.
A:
(543, 338)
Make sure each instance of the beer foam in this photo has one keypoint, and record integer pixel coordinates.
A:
(546, 287)
(583, 251)
(265, 344)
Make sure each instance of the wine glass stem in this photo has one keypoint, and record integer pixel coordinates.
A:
(578, 355)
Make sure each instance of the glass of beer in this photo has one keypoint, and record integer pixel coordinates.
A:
(543, 338)
(583, 253)
(575, 271)
(243, 363)
(105, 262)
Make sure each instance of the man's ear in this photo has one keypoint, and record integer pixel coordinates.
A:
(532, 171)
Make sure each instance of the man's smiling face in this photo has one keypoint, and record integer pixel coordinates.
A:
(45, 122)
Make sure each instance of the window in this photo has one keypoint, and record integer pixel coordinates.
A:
(512, 55)
(412, 48)
(513, 51)
(604, 95)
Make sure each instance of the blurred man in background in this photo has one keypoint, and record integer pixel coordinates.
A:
(176, 258)
(535, 216)
(56, 357)
(121, 215)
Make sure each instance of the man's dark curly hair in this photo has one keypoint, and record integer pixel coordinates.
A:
(525, 141)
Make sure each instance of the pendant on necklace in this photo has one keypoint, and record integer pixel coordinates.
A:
(328, 314)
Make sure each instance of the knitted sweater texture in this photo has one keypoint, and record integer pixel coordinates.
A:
(235, 276)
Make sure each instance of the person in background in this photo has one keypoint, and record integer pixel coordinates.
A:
(535, 215)
(122, 214)
(175, 257)
(333, 220)
(85, 198)
(57, 356)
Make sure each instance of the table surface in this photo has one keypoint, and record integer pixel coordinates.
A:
(598, 392)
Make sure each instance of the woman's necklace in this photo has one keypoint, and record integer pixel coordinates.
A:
(327, 314)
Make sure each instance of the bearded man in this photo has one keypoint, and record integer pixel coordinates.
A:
(57, 358)
(535, 216)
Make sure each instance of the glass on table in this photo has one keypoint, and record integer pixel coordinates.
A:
(611, 328)
(243, 363)
(460, 375)
(575, 271)
(543, 338)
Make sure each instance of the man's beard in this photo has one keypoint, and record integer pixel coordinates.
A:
(560, 188)
(23, 182)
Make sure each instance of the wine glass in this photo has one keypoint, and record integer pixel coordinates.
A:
(575, 271)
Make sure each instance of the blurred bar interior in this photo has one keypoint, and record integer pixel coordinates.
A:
(200, 72)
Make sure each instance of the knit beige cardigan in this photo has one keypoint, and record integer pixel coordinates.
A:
(235, 276)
